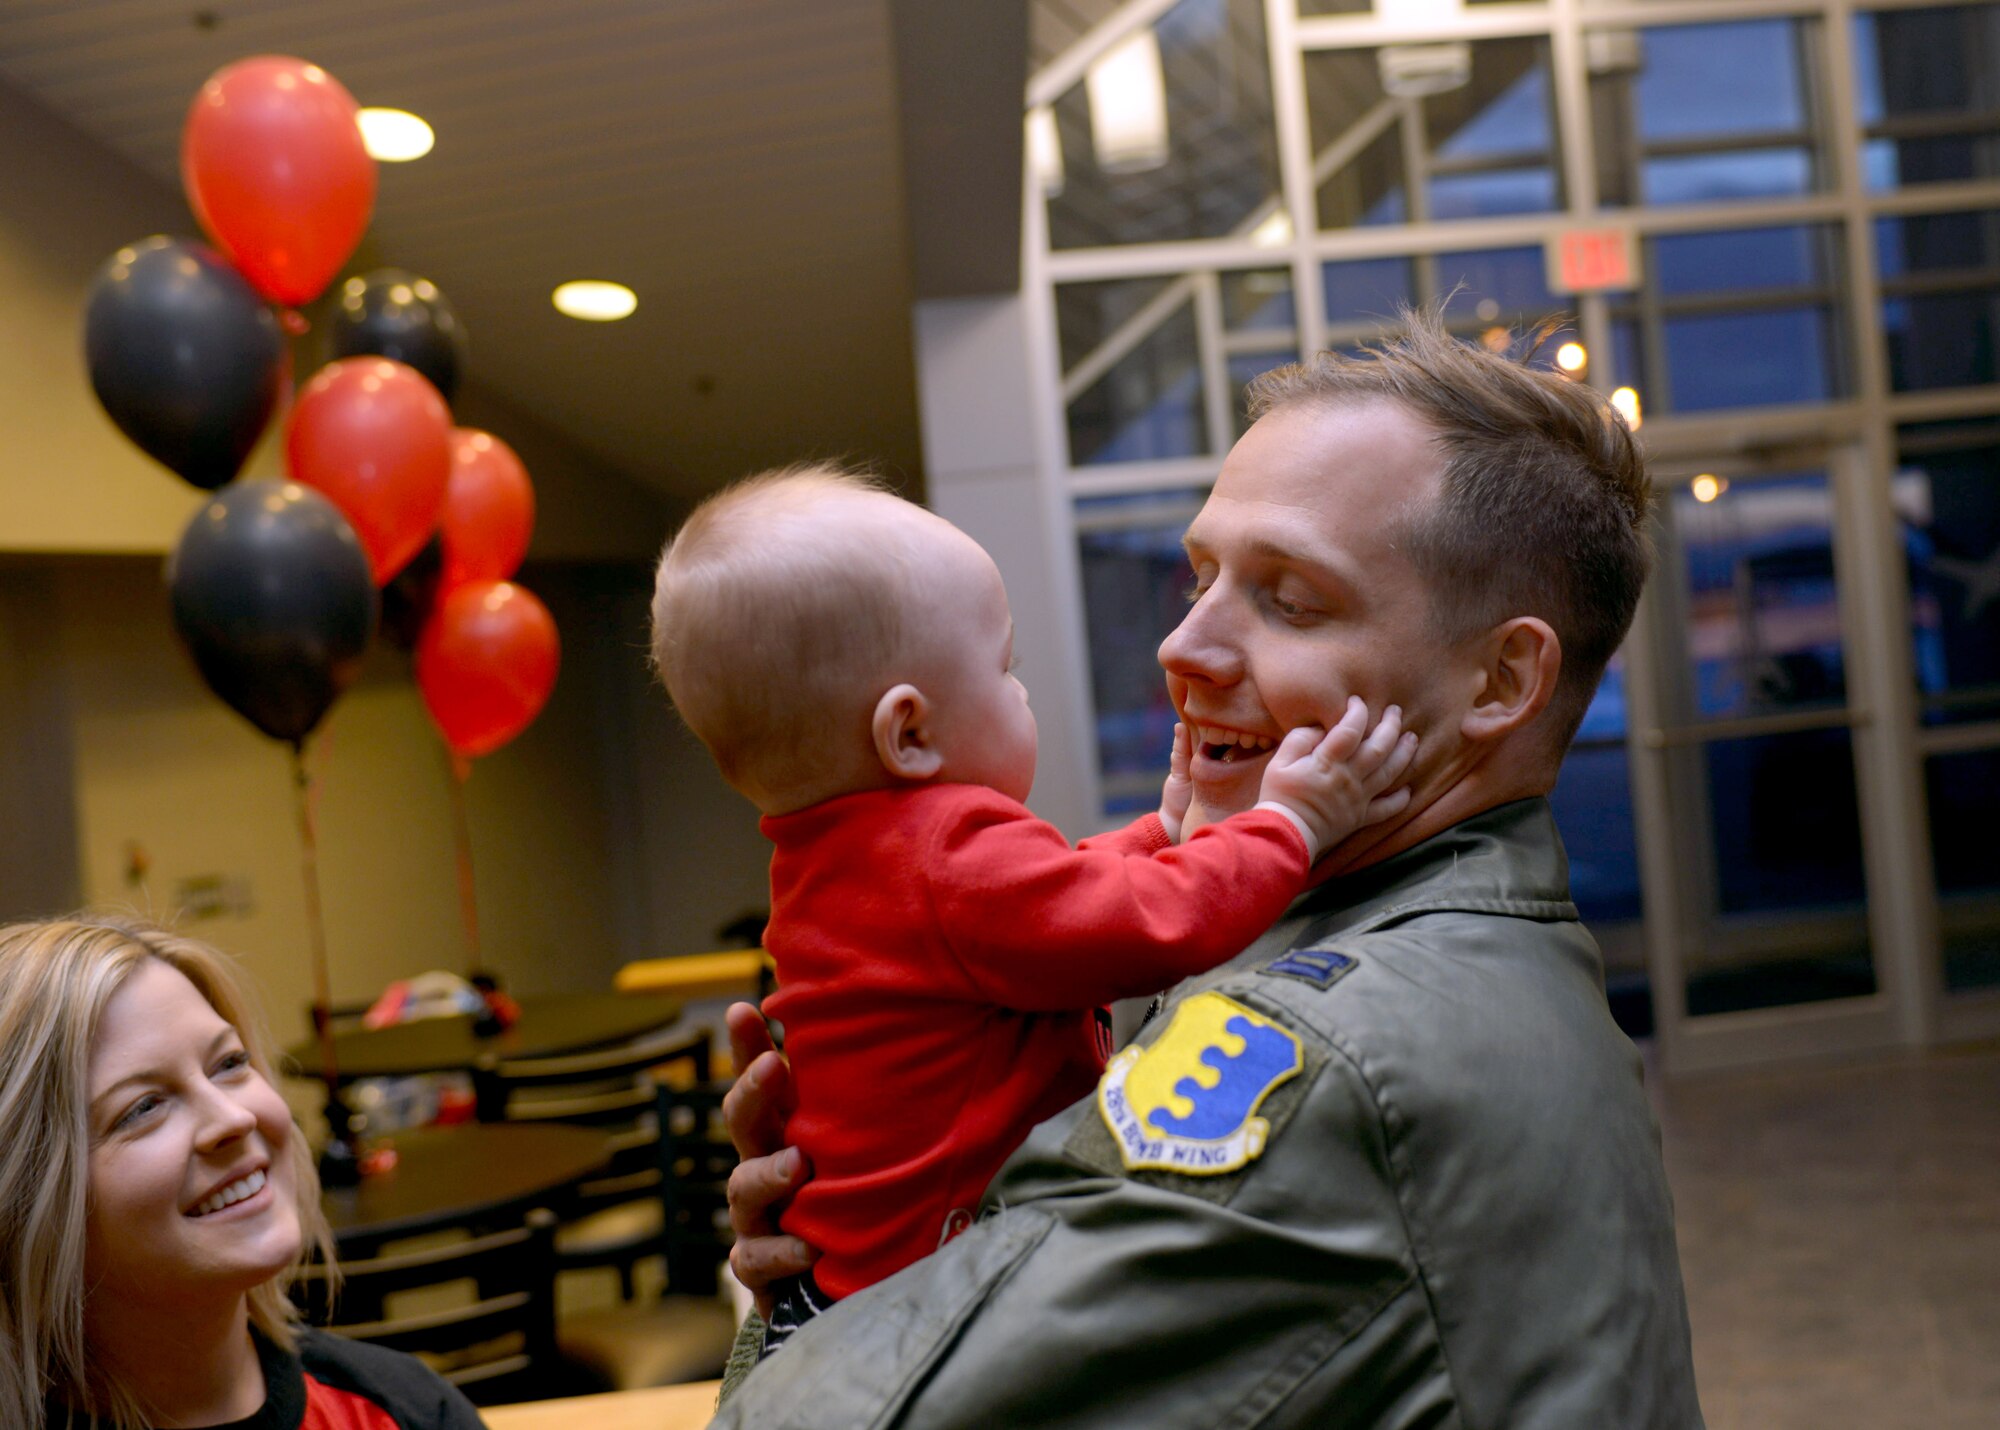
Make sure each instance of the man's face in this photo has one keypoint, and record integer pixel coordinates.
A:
(1302, 597)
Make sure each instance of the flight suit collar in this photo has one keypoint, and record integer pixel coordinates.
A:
(1506, 860)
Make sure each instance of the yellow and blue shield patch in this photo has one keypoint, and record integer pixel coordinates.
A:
(1188, 1102)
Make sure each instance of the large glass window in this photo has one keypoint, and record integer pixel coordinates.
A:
(1940, 298)
(1928, 88)
(1964, 795)
(1771, 819)
(1433, 132)
(1947, 496)
(1135, 584)
(1593, 808)
(1709, 113)
(1763, 618)
(1132, 371)
(1735, 318)
(1214, 170)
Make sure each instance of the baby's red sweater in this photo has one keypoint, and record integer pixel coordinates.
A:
(942, 954)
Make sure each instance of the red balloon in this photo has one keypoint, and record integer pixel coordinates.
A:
(489, 510)
(375, 437)
(275, 170)
(486, 664)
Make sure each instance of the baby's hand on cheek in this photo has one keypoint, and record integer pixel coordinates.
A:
(1331, 783)
(1178, 792)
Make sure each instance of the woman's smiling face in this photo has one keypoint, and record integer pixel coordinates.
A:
(191, 1188)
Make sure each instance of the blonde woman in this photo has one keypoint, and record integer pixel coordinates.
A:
(156, 1198)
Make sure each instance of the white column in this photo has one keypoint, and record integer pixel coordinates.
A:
(985, 464)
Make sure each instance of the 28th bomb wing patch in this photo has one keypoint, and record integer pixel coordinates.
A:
(1188, 1102)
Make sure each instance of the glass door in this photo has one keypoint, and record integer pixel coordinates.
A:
(1749, 778)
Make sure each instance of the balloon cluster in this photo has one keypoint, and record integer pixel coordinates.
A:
(275, 584)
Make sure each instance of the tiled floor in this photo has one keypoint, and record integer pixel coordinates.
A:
(1840, 1236)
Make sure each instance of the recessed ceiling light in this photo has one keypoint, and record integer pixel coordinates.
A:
(395, 136)
(596, 302)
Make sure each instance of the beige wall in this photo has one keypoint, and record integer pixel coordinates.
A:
(599, 836)
(160, 763)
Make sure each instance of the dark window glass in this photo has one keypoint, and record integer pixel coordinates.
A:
(1738, 259)
(1763, 612)
(1242, 368)
(1925, 87)
(1258, 301)
(1514, 278)
(1148, 406)
(1740, 78)
(1221, 163)
(1593, 807)
(1941, 305)
(1964, 794)
(1719, 178)
(1494, 192)
(1492, 138)
(1947, 497)
(1709, 113)
(1089, 314)
(1490, 145)
(1366, 290)
(1135, 581)
(1785, 820)
(1751, 359)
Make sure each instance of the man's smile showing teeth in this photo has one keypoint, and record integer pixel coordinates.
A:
(1230, 745)
(235, 1192)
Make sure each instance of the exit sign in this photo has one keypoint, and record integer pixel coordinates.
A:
(1593, 260)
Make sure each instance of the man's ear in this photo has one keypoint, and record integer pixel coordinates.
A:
(1521, 662)
(902, 734)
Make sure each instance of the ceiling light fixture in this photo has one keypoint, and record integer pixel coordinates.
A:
(1128, 105)
(1625, 401)
(395, 136)
(1571, 357)
(595, 301)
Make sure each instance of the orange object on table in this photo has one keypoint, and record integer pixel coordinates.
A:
(745, 972)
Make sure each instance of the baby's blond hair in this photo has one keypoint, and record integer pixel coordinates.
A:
(774, 628)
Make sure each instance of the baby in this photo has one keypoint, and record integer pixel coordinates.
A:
(943, 956)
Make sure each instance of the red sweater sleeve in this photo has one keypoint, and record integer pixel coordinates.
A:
(1144, 835)
(1038, 926)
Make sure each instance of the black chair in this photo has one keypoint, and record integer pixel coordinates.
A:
(608, 1087)
(498, 1346)
(686, 1334)
(614, 1220)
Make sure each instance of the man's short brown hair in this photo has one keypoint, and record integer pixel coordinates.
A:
(1544, 500)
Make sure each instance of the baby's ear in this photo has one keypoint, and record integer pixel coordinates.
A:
(902, 734)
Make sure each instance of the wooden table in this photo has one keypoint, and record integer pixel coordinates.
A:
(451, 1176)
(670, 1407)
(551, 1024)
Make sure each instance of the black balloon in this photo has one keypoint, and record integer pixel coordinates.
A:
(410, 594)
(274, 597)
(393, 314)
(184, 356)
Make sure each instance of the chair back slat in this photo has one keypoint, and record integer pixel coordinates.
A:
(605, 1086)
(504, 1341)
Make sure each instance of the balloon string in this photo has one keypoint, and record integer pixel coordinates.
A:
(302, 786)
(468, 903)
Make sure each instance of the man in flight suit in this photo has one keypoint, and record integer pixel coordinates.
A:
(1393, 1164)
